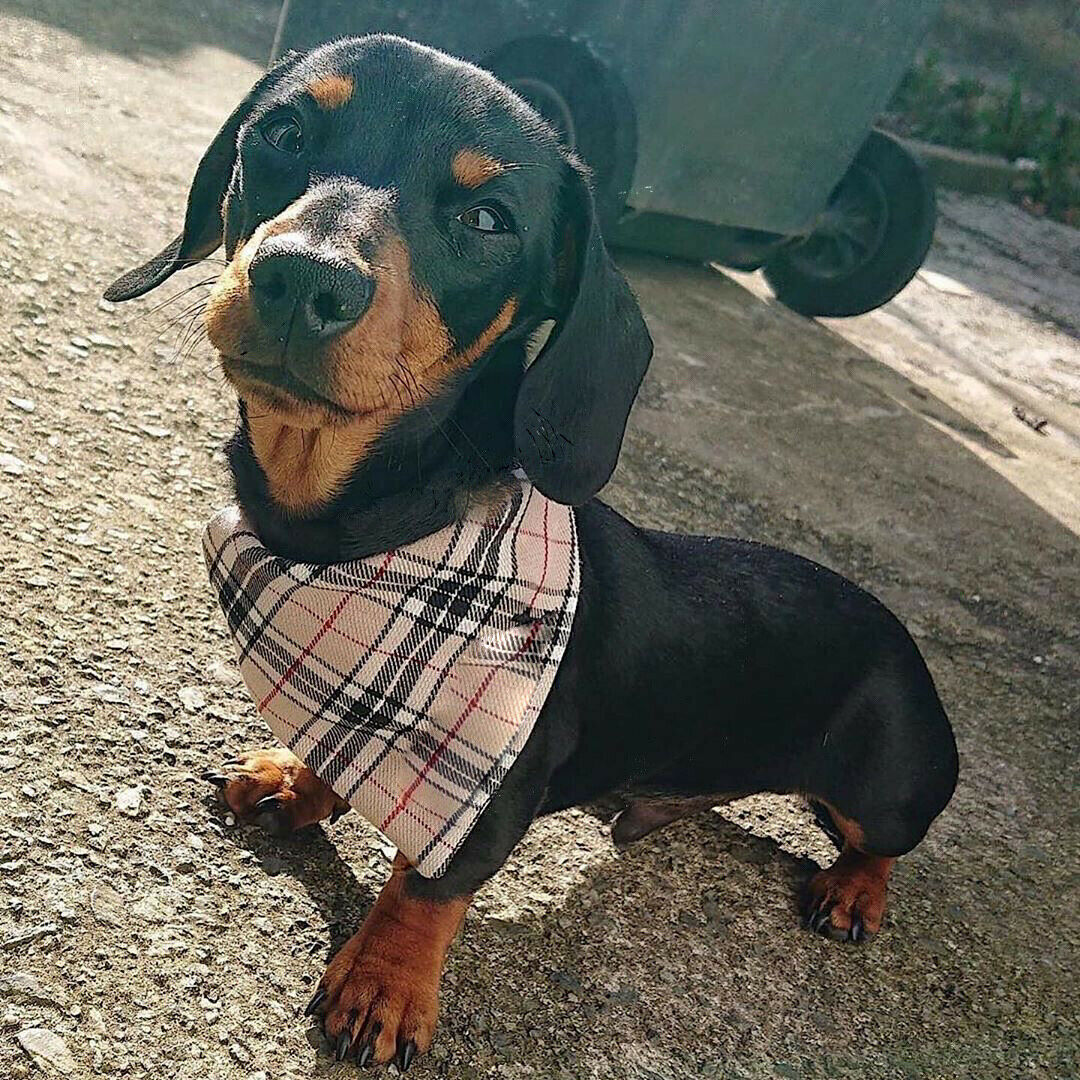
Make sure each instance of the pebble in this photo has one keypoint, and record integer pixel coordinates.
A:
(22, 986)
(129, 801)
(12, 465)
(108, 906)
(48, 1050)
(27, 936)
(24, 403)
(192, 698)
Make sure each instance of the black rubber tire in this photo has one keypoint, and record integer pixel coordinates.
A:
(893, 190)
(560, 77)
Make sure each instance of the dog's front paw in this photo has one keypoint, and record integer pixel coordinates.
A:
(276, 790)
(379, 998)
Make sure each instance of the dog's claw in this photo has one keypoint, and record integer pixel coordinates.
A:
(343, 1044)
(312, 1006)
(216, 778)
(270, 816)
(406, 1054)
(367, 1052)
(819, 920)
(858, 931)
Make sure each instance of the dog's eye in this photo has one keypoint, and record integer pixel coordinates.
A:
(283, 133)
(484, 219)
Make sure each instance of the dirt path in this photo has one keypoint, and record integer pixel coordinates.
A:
(154, 939)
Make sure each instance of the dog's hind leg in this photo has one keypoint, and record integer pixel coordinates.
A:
(885, 768)
(643, 816)
(846, 902)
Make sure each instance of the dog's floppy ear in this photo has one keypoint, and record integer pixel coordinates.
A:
(576, 396)
(202, 221)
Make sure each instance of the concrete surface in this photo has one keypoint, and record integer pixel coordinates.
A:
(141, 935)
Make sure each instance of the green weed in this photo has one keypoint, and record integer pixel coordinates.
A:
(966, 114)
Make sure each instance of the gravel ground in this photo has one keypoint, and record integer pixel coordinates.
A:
(143, 934)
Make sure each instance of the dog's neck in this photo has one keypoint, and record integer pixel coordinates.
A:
(421, 476)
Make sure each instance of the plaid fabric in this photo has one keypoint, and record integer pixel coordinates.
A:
(409, 681)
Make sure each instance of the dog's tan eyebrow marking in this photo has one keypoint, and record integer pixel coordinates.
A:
(471, 168)
(332, 91)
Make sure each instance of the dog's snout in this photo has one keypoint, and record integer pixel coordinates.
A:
(302, 292)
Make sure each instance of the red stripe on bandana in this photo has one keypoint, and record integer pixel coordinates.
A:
(437, 752)
(291, 670)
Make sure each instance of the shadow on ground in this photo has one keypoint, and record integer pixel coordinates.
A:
(137, 29)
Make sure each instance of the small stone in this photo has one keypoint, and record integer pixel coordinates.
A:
(11, 465)
(48, 1050)
(22, 986)
(102, 342)
(24, 403)
(224, 674)
(154, 431)
(192, 698)
(129, 801)
(80, 343)
(27, 936)
(183, 861)
(108, 906)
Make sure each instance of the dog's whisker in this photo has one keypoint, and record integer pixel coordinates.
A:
(194, 309)
(208, 282)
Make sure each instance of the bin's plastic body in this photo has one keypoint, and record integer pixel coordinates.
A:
(748, 111)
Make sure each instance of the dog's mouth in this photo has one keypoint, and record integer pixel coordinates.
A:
(283, 389)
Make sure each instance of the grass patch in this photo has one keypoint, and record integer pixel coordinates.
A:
(966, 114)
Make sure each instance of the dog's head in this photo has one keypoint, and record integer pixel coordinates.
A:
(392, 219)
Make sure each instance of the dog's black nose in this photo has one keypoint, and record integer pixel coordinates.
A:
(303, 293)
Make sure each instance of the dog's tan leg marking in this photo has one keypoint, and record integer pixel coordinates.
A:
(846, 902)
(381, 991)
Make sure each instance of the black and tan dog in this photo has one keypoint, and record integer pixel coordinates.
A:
(397, 225)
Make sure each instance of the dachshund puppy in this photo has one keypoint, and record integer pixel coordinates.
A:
(398, 225)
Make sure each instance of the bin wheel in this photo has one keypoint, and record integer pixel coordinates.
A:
(868, 243)
(586, 103)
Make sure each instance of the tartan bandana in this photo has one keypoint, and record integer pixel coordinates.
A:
(409, 681)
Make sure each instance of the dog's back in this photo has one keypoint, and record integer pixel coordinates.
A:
(739, 667)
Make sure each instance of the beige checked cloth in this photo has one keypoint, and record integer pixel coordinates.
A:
(408, 681)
